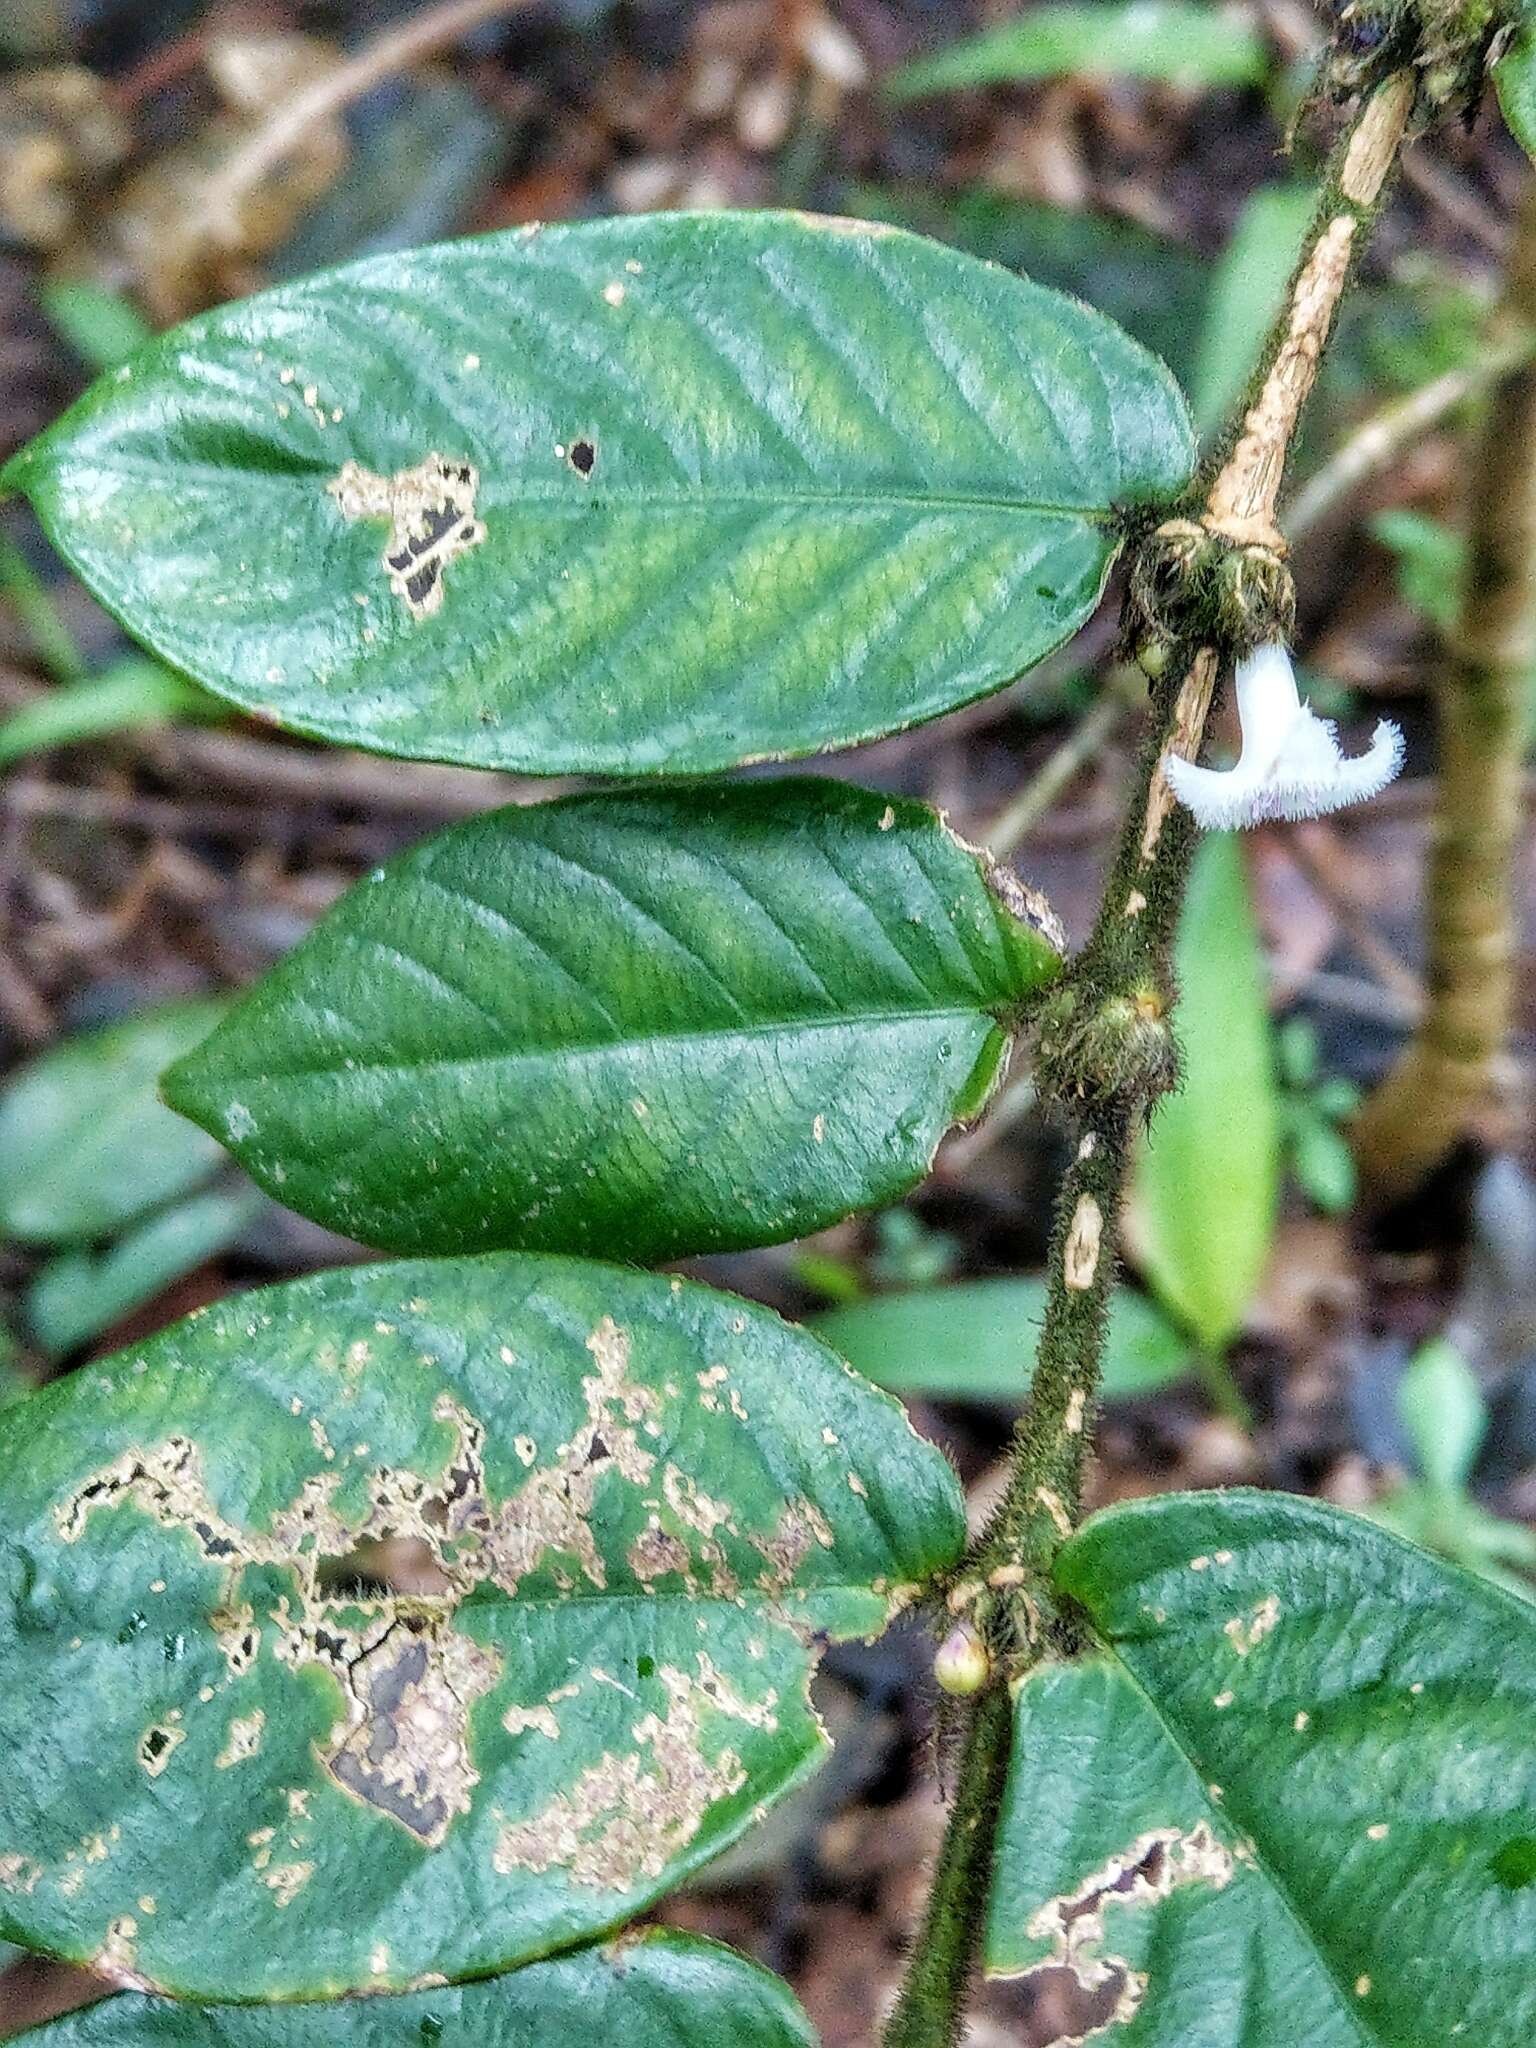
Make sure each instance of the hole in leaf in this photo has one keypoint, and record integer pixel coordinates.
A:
(1070, 2007)
(389, 1564)
(582, 458)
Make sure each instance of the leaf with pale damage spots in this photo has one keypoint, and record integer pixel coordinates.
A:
(742, 490)
(621, 1512)
(1285, 1802)
(636, 1024)
(653, 1990)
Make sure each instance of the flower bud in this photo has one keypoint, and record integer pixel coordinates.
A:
(962, 1666)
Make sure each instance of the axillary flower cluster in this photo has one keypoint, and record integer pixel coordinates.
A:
(1290, 764)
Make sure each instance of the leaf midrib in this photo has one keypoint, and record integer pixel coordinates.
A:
(569, 1050)
(228, 478)
(1226, 1818)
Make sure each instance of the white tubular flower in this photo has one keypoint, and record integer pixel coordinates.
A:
(1290, 765)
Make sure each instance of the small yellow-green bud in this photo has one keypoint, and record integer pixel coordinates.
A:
(1152, 656)
(962, 1666)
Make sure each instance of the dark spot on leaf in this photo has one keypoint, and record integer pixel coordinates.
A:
(135, 1625)
(175, 1648)
(1044, 590)
(582, 457)
(1514, 1864)
(154, 1745)
(408, 1752)
(645, 1667)
(431, 2027)
(420, 584)
(214, 1545)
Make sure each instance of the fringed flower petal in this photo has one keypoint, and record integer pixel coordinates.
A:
(1290, 765)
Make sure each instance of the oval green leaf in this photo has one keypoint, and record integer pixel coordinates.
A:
(80, 1293)
(650, 494)
(975, 1341)
(630, 1505)
(127, 697)
(1514, 78)
(1208, 1177)
(1246, 293)
(636, 1024)
(1171, 40)
(656, 1989)
(1292, 1800)
(85, 1145)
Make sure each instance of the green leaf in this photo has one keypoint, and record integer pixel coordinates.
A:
(701, 489)
(1246, 294)
(632, 1505)
(1208, 1176)
(81, 1293)
(84, 1145)
(1431, 563)
(102, 327)
(1154, 287)
(1514, 78)
(14, 1385)
(1444, 1414)
(975, 1341)
(656, 1989)
(1324, 1164)
(1292, 1799)
(1180, 44)
(31, 600)
(128, 695)
(638, 1024)
(1335, 1098)
(421, 159)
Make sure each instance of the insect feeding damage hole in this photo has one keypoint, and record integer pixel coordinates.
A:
(431, 514)
(582, 457)
(1101, 1990)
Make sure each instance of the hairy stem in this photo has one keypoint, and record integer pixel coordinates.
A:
(931, 2008)
(1043, 1501)
(1106, 1049)
(1445, 1077)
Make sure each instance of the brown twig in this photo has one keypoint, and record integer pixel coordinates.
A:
(1446, 1076)
(276, 771)
(1018, 819)
(1379, 440)
(395, 50)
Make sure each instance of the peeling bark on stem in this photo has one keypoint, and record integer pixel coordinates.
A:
(1106, 1054)
(1445, 1078)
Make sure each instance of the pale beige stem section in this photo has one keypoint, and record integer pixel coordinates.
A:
(1446, 1076)
(1190, 711)
(1245, 496)
(1244, 500)
(393, 51)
